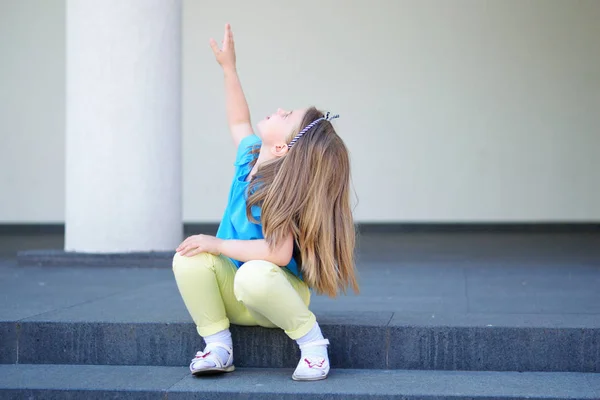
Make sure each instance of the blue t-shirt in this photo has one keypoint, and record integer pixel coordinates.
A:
(235, 223)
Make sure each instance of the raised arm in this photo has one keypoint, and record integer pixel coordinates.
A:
(238, 114)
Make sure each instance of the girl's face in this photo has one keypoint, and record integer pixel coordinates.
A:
(276, 129)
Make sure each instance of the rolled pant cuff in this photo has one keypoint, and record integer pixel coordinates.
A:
(304, 329)
(213, 328)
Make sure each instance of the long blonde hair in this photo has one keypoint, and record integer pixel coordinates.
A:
(307, 192)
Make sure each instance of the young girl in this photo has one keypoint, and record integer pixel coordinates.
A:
(287, 228)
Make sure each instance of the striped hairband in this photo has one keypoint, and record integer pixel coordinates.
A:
(307, 128)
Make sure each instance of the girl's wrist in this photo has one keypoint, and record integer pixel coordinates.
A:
(220, 245)
(229, 70)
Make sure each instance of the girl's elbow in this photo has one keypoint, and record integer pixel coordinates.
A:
(283, 257)
(281, 260)
(282, 253)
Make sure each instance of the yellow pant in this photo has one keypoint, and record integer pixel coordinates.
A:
(216, 294)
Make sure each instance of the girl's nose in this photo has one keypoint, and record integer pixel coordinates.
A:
(280, 111)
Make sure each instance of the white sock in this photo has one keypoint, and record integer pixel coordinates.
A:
(219, 337)
(313, 335)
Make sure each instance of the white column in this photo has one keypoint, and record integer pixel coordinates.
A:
(123, 139)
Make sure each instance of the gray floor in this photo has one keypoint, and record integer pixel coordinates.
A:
(551, 280)
(148, 382)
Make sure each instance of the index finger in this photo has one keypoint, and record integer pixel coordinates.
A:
(188, 240)
(230, 33)
(226, 34)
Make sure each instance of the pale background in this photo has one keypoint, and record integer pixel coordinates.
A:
(454, 111)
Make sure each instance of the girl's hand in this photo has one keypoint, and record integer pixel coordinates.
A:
(226, 55)
(200, 244)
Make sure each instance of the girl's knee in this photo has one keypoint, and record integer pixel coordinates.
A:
(198, 263)
(253, 280)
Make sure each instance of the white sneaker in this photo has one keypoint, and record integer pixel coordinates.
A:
(312, 367)
(208, 362)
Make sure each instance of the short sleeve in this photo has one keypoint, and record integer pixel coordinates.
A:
(245, 148)
(256, 212)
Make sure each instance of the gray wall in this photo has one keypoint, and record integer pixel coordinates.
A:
(459, 110)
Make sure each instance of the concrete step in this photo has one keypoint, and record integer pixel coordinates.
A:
(134, 382)
(374, 340)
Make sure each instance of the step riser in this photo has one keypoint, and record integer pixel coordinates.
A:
(356, 347)
(8, 343)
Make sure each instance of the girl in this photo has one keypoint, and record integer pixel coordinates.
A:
(287, 228)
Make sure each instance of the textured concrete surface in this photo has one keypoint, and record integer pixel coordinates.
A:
(85, 382)
(76, 259)
(352, 346)
(525, 248)
(494, 348)
(11, 244)
(8, 343)
(357, 384)
(122, 344)
(560, 247)
(54, 381)
(174, 344)
(25, 292)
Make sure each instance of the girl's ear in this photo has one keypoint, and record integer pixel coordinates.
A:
(279, 150)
